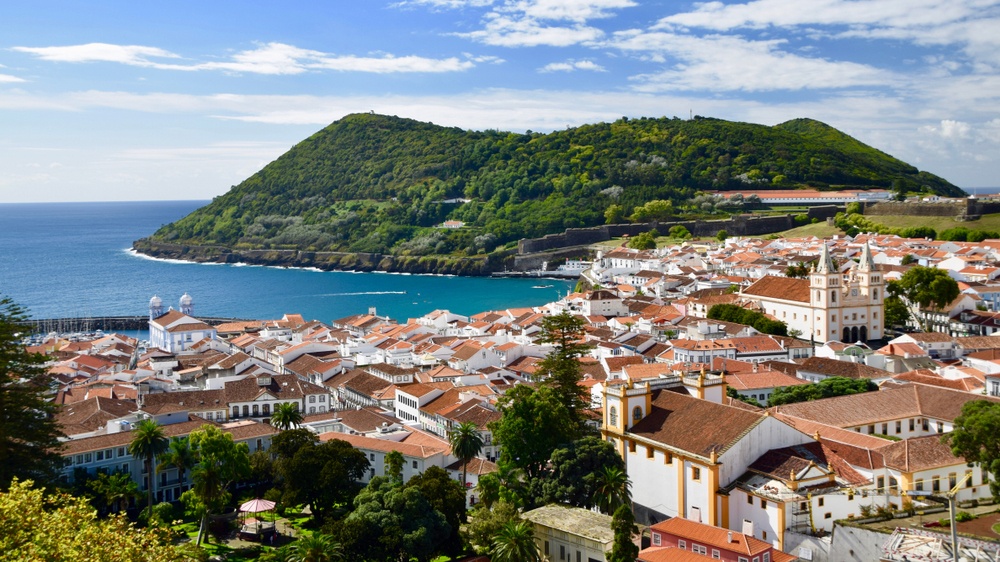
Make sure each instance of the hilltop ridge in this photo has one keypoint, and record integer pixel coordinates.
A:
(380, 184)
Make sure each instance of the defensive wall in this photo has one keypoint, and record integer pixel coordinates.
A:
(962, 209)
(738, 225)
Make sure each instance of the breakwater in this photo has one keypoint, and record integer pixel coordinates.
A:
(105, 324)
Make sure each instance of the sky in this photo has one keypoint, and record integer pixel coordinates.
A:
(125, 100)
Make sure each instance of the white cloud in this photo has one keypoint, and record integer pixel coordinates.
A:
(270, 58)
(444, 4)
(8, 79)
(949, 129)
(135, 55)
(570, 66)
(554, 23)
(725, 63)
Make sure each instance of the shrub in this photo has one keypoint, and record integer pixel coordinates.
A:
(963, 516)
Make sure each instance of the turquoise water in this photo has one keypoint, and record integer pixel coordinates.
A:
(73, 260)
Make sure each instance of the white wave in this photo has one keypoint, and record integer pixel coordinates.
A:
(363, 293)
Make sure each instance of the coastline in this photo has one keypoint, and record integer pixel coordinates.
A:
(324, 261)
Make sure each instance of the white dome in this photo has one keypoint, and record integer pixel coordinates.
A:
(186, 300)
(155, 301)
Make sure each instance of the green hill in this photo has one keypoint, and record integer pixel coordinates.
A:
(379, 184)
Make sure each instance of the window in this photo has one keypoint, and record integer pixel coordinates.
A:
(236, 411)
(656, 539)
(899, 427)
(763, 503)
(952, 480)
(926, 424)
(562, 552)
(322, 398)
(919, 485)
(715, 554)
(763, 535)
(86, 457)
(911, 424)
(820, 502)
(871, 429)
(695, 473)
(682, 544)
(546, 548)
(935, 484)
(256, 410)
(743, 559)
(312, 399)
(649, 452)
(371, 457)
(699, 549)
(100, 455)
(613, 416)
(881, 482)
(767, 557)
(940, 427)
(260, 445)
(79, 459)
(885, 429)
(246, 411)
(631, 446)
(121, 452)
(968, 479)
(749, 499)
(636, 414)
(414, 465)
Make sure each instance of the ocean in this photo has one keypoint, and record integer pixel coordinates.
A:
(73, 260)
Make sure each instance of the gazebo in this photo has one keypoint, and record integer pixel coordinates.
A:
(252, 527)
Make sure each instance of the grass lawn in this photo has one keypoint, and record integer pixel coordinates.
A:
(819, 229)
(987, 222)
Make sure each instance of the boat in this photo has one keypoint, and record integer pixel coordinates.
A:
(541, 286)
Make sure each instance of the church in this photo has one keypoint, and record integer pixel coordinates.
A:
(827, 306)
(174, 331)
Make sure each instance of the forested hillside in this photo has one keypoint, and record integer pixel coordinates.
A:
(374, 183)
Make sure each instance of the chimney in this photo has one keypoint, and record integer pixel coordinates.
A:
(729, 537)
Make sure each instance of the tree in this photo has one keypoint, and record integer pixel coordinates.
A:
(116, 489)
(560, 370)
(515, 543)
(148, 441)
(466, 444)
(924, 288)
(486, 522)
(42, 526)
(178, 455)
(895, 312)
(575, 473)
(393, 522)
(322, 475)
(394, 462)
(613, 489)
(800, 271)
(654, 210)
(976, 438)
(29, 437)
(532, 425)
(644, 241)
(315, 547)
(733, 393)
(286, 416)
(221, 462)
(826, 388)
(614, 214)
(623, 524)
(721, 235)
(446, 496)
(679, 231)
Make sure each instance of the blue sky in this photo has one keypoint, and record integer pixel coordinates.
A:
(129, 100)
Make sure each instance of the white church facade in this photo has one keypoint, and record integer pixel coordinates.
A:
(829, 305)
(174, 331)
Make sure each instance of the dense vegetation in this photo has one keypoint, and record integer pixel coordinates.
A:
(373, 183)
(740, 315)
(826, 388)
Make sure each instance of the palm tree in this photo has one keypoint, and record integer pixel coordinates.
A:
(612, 489)
(116, 489)
(515, 543)
(148, 441)
(315, 548)
(466, 444)
(178, 455)
(286, 416)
